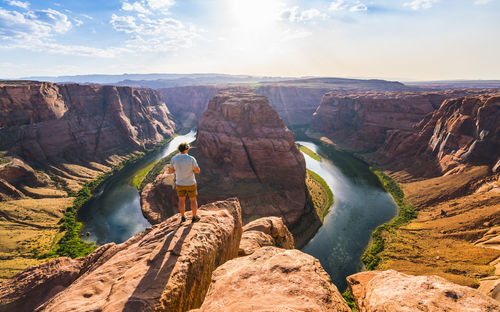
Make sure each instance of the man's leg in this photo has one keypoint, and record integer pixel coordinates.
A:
(193, 203)
(182, 205)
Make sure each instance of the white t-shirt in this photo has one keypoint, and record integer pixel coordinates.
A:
(184, 165)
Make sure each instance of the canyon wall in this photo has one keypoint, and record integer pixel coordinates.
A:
(188, 103)
(75, 131)
(245, 150)
(46, 122)
(294, 104)
(463, 130)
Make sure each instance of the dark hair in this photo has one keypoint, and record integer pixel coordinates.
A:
(183, 147)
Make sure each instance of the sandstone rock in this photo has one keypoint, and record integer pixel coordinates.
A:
(17, 172)
(272, 279)
(188, 103)
(359, 121)
(269, 231)
(44, 122)
(392, 291)
(8, 191)
(295, 105)
(244, 150)
(166, 267)
(26, 290)
(462, 131)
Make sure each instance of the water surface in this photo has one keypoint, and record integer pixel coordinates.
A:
(359, 207)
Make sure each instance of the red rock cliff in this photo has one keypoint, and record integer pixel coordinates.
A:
(45, 122)
(462, 131)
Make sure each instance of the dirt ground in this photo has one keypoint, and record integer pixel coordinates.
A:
(454, 211)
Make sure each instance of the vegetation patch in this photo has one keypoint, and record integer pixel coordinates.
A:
(155, 171)
(3, 158)
(349, 298)
(309, 152)
(371, 257)
(322, 196)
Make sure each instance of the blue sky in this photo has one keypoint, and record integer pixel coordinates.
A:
(407, 39)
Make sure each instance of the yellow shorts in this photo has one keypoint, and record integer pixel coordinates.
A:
(190, 190)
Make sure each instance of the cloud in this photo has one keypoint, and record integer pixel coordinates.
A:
(154, 33)
(360, 7)
(350, 5)
(136, 6)
(293, 14)
(420, 4)
(481, 2)
(32, 24)
(20, 4)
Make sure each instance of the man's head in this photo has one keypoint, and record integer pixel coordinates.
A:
(183, 147)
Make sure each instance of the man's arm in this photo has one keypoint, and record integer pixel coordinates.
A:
(196, 169)
(171, 168)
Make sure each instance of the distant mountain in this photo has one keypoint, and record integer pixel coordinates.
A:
(456, 84)
(159, 80)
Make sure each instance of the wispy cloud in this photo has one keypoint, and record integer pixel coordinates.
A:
(350, 5)
(294, 14)
(419, 4)
(20, 4)
(481, 2)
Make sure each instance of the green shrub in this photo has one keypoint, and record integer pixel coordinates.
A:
(349, 298)
(370, 257)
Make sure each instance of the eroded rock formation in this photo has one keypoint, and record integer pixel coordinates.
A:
(359, 121)
(268, 231)
(273, 279)
(464, 130)
(188, 103)
(167, 267)
(244, 150)
(391, 291)
(44, 122)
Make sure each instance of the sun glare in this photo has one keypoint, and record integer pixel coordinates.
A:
(253, 14)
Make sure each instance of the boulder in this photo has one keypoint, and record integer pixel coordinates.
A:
(269, 231)
(391, 291)
(273, 279)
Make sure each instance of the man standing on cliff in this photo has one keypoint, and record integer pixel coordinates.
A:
(185, 166)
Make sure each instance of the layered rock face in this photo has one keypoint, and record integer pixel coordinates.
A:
(391, 291)
(45, 122)
(188, 103)
(462, 131)
(167, 267)
(273, 279)
(244, 150)
(295, 105)
(359, 121)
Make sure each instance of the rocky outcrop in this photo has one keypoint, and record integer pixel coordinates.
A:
(167, 267)
(44, 122)
(391, 291)
(269, 231)
(16, 173)
(273, 279)
(244, 150)
(462, 131)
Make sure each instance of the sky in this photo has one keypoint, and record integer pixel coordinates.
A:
(403, 40)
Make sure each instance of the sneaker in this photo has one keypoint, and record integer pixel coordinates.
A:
(195, 219)
(183, 219)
